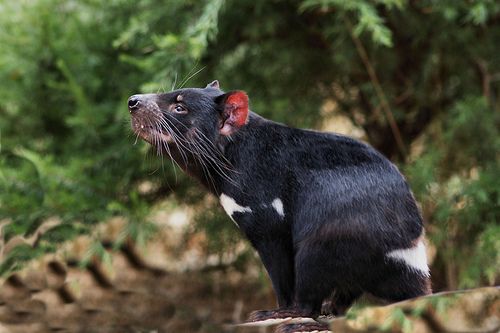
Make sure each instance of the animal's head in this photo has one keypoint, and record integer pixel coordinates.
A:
(177, 118)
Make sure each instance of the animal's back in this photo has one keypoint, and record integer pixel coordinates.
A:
(329, 181)
(349, 189)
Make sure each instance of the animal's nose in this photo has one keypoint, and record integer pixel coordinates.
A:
(133, 103)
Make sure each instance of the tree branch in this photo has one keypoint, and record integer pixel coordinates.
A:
(378, 88)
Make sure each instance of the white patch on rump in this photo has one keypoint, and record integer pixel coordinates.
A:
(231, 207)
(278, 206)
(415, 257)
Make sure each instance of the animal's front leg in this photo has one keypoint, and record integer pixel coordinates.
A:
(277, 256)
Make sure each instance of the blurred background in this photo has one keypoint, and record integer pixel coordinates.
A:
(418, 80)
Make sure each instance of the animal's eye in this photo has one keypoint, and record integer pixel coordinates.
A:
(180, 109)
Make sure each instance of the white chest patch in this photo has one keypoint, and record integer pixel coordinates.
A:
(278, 206)
(415, 257)
(231, 207)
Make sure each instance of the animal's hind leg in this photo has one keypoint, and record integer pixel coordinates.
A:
(327, 269)
(315, 277)
(400, 282)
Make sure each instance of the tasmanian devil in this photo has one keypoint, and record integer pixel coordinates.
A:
(330, 217)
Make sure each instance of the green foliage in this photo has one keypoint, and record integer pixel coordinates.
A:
(67, 67)
(367, 16)
(66, 147)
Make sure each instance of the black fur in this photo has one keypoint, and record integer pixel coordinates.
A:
(345, 205)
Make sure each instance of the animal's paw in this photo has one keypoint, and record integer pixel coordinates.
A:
(303, 327)
(262, 315)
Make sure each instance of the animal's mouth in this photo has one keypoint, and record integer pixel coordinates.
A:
(150, 133)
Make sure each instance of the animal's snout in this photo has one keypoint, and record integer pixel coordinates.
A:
(142, 101)
(134, 102)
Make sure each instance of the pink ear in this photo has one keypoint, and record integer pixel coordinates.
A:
(235, 112)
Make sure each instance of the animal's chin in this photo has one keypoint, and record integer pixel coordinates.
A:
(165, 137)
(154, 137)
